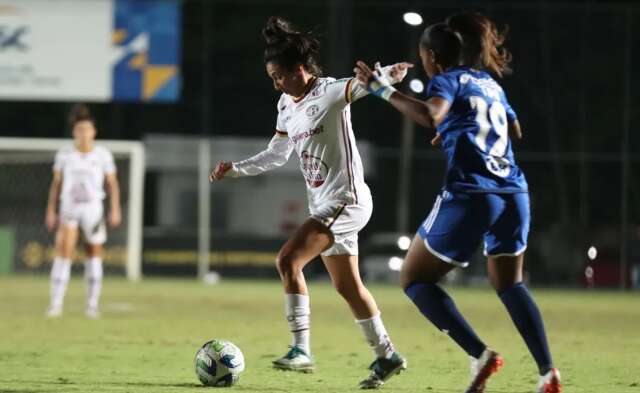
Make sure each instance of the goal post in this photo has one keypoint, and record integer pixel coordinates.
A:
(131, 151)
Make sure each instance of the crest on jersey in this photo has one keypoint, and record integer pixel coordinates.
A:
(312, 110)
(499, 166)
(313, 169)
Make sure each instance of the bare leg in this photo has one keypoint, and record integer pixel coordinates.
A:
(422, 266)
(505, 271)
(305, 244)
(345, 276)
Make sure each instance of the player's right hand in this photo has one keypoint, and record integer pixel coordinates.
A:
(398, 71)
(51, 220)
(220, 170)
(375, 81)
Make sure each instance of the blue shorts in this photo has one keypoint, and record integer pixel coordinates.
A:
(459, 221)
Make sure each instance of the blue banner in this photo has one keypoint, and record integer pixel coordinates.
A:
(146, 35)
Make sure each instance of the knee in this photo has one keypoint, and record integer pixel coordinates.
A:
(286, 265)
(502, 287)
(94, 250)
(345, 289)
(405, 282)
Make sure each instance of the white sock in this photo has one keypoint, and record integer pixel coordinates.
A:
(377, 337)
(93, 276)
(299, 318)
(60, 273)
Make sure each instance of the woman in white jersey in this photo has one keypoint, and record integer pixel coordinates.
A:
(79, 174)
(314, 120)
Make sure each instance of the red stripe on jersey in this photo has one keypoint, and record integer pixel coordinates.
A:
(347, 91)
(347, 149)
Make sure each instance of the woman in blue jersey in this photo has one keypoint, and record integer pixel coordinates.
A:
(485, 196)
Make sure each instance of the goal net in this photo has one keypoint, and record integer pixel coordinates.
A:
(25, 176)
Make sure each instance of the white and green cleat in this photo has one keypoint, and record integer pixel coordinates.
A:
(295, 360)
(382, 369)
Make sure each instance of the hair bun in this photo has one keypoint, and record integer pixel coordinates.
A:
(278, 30)
(288, 46)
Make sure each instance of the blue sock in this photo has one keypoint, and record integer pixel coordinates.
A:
(434, 303)
(527, 318)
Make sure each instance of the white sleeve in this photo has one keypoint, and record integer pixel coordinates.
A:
(350, 90)
(276, 155)
(108, 165)
(58, 163)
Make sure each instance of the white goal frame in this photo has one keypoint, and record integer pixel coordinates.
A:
(135, 151)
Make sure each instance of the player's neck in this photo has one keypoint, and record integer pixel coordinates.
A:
(84, 147)
(307, 88)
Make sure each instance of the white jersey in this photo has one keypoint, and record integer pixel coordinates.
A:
(318, 128)
(83, 174)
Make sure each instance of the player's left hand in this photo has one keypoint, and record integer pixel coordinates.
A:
(115, 218)
(436, 140)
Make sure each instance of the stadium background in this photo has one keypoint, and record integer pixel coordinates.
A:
(573, 89)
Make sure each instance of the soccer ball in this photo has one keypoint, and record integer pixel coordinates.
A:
(219, 363)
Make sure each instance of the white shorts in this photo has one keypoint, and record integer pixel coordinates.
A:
(344, 221)
(87, 216)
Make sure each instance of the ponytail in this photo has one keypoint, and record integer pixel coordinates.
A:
(482, 42)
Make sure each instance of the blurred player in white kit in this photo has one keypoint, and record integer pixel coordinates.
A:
(75, 204)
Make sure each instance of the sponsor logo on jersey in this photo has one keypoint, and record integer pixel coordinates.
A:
(306, 134)
(312, 110)
(314, 169)
(488, 86)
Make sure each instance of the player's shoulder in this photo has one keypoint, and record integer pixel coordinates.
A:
(66, 149)
(449, 78)
(102, 151)
(331, 87)
(478, 77)
(330, 82)
(283, 102)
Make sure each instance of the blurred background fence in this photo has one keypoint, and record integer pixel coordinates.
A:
(573, 89)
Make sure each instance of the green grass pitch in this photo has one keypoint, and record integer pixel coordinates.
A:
(149, 333)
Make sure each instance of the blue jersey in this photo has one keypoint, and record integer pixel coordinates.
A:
(475, 134)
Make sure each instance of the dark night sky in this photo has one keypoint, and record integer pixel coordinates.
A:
(568, 59)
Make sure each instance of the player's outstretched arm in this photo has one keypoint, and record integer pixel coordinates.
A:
(276, 154)
(220, 170)
(426, 113)
(394, 73)
(115, 211)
